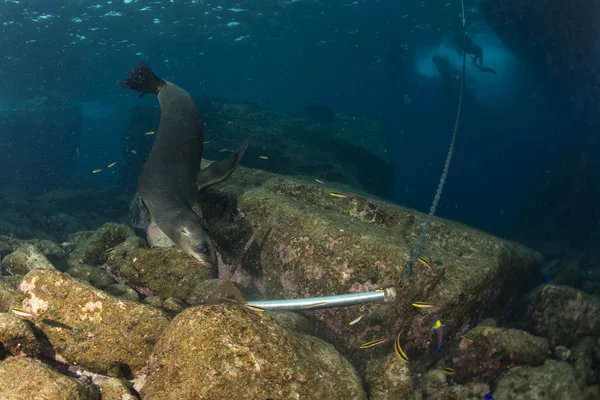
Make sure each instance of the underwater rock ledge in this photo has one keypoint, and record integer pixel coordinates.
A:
(321, 245)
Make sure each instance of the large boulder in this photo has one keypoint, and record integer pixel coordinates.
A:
(564, 315)
(555, 380)
(23, 260)
(492, 351)
(89, 327)
(17, 337)
(27, 378)
(217, 352)
(309, 243)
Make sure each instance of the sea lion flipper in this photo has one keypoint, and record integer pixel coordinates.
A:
(218, 171)
(142, 80)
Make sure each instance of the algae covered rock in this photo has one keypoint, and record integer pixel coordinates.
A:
(433, 381)
(166, 272)
(493, 351)
(565, 315)
(309, 243)
(474, 391)
(217, 352)
(17, 337)
(10, 296)
(113, 388)
(25, 259)
(52, 251)
(554, 380)
(89, 327)
(95, 248)
(27, 378)
(583, 357)
(389, 379)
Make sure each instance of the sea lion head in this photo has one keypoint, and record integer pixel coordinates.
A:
(195, 240)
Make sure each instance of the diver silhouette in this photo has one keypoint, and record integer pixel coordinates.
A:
(463, 43)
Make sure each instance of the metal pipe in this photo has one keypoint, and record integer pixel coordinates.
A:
(313, 303)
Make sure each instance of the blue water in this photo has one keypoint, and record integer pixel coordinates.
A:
(287, 54)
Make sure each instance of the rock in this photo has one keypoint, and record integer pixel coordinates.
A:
(555, 380)
(230, 352)
(96, 248)
(583, 357)
(27, 378)
(102, 280)
(167, 272)
(89, 327)
(174, 306)
(113, 388)
(318, 245)
(562, 353)
(53, 252)
(292, 321)
(564, 315)
(203, 291)
(433, 381)
(491, 322)
(389, 378)
(16, 337)
(85, 272)
(25, 259)
(17, 231)
(154, 301)
(123, 292)
(473, 391)
(9, 294)
(493, 351)
(591, 393)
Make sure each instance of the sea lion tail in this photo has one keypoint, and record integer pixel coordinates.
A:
(142, 80)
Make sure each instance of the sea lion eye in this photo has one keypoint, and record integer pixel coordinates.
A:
(201, 248)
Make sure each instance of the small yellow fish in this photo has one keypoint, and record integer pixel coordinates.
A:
(109, 250)
(467, 338)
(426, 262)
(254, 308)
(207, 142)
(449, 371)
(23, 313)
(338, 195)
(223, 150)
(95, 171)
(319, 181)
(263, 157)
(399, 350)
(422, 304)
(149, 133)
(229, 122)
(356, 320)
(134, 152)
(374, 343)
(112, 165)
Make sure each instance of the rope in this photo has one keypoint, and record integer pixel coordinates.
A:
(417, 249)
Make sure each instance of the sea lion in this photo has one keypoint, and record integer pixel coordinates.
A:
(171, 177)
